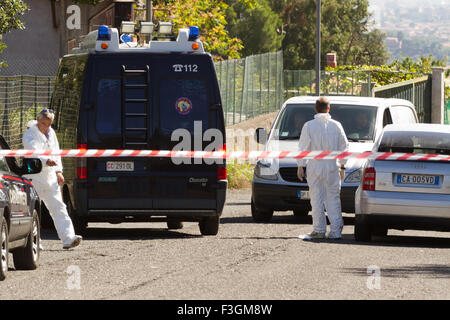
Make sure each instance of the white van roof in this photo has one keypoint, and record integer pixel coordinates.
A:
(111, 43)
(367, 101)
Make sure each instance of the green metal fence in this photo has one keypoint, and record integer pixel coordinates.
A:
(447, 112)
(417, 90)
(302, 82)
(250, 87)
(21, 97)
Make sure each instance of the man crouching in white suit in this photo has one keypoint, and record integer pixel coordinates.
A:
(40, 136)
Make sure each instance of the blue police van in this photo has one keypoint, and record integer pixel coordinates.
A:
(113, 95)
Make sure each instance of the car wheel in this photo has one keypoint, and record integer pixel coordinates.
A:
(174, 225)
(27, 258)
(261, 215)
(209, 226)
(363, 229)
(4, 250)
(79, 223)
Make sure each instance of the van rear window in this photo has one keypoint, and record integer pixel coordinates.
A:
(183, 101)
(109, 110)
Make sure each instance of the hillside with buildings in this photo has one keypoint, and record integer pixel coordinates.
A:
(414, 27)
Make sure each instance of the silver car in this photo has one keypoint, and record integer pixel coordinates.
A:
(405, 194)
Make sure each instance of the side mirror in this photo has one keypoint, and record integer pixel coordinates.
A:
(261, 135)
(31, 166)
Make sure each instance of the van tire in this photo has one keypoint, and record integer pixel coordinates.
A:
(45, 218)
(261, 215)
(4, 247)
(27, 258)
(363, 228)
(174, 225)
(209, 226)
(302, 212)
(79, 224)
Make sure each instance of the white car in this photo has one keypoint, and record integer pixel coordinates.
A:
(405, 194)
(275, 185)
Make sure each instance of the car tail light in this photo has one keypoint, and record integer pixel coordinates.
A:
(82, 164)
(221, 173)
(368, 180)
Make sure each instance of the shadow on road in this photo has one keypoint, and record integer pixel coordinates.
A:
(431, 271)
(124, 234)
(393, 241)
(282, 219)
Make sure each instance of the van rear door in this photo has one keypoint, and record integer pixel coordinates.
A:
(187, 116)
(140, 100)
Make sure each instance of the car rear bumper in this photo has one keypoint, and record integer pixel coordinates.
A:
(404, 204)
(279, 197)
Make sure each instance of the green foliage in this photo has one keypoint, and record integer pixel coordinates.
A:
(398, 70)
(239, 175)
(209, 16)
(10, 12)
(345, 29)
(256, 25)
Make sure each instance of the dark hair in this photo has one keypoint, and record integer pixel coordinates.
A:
(322, 105)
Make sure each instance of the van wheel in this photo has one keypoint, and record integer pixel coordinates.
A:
(79, 223)
(363, 229)
(209, 226)
(27, 258)
(45, 218)
(4, 249)
(302, 211)
(261, 215)
(174, 225)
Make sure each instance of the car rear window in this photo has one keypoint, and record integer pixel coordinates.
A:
(358, 121)
(415, 142)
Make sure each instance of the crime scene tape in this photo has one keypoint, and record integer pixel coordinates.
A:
(251, 155)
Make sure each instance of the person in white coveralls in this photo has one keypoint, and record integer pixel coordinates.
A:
(324, 176)
(41, 136)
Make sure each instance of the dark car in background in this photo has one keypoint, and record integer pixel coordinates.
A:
(19, 213)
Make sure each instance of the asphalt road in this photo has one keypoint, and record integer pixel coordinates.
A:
(245, 260)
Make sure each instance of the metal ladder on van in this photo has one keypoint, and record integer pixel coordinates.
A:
(139, 85)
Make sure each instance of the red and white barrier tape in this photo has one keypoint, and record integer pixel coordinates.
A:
(252, 155)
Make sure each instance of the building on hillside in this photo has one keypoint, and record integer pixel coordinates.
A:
(53, 28)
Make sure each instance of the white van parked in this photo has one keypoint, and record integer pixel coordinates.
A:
(275, 185)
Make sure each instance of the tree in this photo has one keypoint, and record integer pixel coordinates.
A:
(257, 26)
(345, 27)
(209, 16)
(10, 12)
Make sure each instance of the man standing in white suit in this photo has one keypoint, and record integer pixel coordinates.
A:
(324, 178)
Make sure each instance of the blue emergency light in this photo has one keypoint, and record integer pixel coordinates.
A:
(104, 33)
(193, 33)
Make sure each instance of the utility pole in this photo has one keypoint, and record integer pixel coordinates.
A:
(149, 11)
(318, 7)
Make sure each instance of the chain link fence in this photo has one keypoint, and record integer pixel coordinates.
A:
(21, 98)
(250, 87)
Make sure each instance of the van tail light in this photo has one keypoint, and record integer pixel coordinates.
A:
(368, 180)
(221, 173)
(223, 147)
(82, 164)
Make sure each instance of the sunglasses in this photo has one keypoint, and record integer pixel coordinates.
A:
(47, 110)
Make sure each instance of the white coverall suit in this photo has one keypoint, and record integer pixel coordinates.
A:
(324, 181)
(46, 182)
